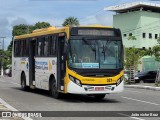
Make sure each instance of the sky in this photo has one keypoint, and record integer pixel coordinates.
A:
(15, 12)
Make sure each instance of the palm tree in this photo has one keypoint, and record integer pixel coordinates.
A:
(71, 21)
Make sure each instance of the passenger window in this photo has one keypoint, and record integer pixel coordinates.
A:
(40, 48)
(46, 53)
(52, 45)
(16, 48)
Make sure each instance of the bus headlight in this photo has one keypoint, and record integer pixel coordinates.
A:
(75, 80)
(119, 81)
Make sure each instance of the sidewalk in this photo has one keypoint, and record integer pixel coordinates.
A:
(5, 111)
(148, 86)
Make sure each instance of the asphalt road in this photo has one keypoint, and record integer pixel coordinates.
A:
(38, 100)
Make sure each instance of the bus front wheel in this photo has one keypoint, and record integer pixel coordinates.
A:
(99, 96)
(53, 90)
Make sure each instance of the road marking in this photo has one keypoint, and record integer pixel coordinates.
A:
(12, 108)
(131, 117)
(133, 91)
(139, 100)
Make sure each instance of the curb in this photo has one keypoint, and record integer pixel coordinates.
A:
(143, 87)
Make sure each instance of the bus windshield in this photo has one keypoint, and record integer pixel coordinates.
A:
(95, 54)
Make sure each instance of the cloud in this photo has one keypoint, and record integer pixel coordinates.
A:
(5, 31)
(3, 22)
(18, 21)
(105, 19)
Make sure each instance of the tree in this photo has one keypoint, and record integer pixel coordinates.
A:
(21, 29)
(156, 50)
(132, 38)
(71, 21)
(26, 29)
(41, 25)
(10, 46)
(133, 56)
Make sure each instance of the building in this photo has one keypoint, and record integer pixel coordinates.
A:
(139, 19)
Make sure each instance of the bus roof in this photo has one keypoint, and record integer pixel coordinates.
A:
(44, 31)
(53, 29)
(96, 26)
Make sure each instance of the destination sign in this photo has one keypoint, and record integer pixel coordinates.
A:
(96, 32)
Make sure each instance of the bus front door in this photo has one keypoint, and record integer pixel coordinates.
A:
(61, 63)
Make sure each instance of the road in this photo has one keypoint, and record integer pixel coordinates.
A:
(38, 100)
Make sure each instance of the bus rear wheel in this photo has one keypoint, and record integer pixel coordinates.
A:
(53, 90)
(99, 96)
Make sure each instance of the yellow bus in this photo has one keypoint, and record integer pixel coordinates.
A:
(77, 60)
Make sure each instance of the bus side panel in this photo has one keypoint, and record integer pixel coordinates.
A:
(15, 72)
(44, 67)
(20, 64)
(24, 66)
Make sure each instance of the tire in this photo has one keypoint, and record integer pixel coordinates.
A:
(99, 96)
(53, 89)
(23, 83)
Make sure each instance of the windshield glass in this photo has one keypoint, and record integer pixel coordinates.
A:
(91, 54)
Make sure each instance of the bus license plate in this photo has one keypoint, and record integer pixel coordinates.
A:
(99, 88)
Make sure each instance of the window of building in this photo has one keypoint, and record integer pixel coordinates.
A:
(150, 35)
(144, 35)
(156, 36)
(124, 35)
(130, 34)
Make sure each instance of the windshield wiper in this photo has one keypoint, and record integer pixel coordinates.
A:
(90, 45)
(104, 48)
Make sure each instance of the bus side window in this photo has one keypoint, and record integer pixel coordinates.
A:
(46, 51)
(23, 49)
(17, 48)
(39, 47)
(27, 47)
(52, 45)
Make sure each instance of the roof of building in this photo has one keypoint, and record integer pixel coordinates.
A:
(134, 6)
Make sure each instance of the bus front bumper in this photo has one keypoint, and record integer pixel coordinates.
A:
(90, 89)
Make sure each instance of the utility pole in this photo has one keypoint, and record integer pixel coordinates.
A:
(2, 55)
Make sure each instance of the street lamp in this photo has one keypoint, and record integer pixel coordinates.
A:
(2, 43)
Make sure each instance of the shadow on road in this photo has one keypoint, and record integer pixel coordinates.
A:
(72, 98)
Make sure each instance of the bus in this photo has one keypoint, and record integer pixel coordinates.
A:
(76, 60)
